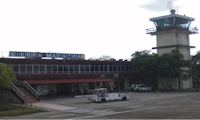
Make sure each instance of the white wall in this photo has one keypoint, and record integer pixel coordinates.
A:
(126, 84)
(187, 83)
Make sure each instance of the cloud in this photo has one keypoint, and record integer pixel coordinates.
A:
(158, 5)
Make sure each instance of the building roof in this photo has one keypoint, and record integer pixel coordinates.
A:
(61, 62)
(172, 16)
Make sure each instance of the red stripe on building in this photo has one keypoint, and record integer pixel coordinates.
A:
(67, 81)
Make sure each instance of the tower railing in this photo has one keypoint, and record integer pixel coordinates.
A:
(150, 30)
(191, 29)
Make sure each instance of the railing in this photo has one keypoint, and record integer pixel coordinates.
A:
(17, 83)
(33, 91)
(150, 30)
(17, 91)
(194, 29)
(191, 29)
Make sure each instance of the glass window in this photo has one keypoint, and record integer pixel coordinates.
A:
(29, 69)
(54, 69)
(119, 68)
(114, 68)
(16, 69)
(71, 68)
(48, 69)
(42, 69)
(22, 69)
(87, 68)
(101, 68)
(168, 22)
(96, 68)
(164, 22)
(128, 69)
(110, 68)
(182, 23)
(92, 68)
(123, 69)
(105, 68)
(36, 69)
(60, 69)
(66, 69)
(156, 24)
(82, 67)
(76, 67)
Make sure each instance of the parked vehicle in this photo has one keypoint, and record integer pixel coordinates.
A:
(101, 95)
(142, 87)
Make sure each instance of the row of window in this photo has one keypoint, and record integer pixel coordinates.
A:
(179, 22)
(69, 69)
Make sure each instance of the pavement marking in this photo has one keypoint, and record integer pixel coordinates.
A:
(91, 111)
(185, 99)
(52, 106)
(136, 106)
(163, 102)
(60, 115)
(127, 111)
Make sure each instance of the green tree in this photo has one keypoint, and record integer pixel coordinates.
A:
(6, 76)
(150, 67)
(195, 68)
(172, 66)
(145, 66)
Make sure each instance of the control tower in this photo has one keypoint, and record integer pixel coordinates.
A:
(172, 32)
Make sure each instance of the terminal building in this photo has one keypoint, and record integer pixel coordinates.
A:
(67, 73)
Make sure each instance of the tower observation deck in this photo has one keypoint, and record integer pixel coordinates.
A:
(172, 21)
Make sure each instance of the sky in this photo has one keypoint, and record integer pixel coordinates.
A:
(115, 28)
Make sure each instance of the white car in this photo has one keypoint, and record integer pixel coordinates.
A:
(142, 87)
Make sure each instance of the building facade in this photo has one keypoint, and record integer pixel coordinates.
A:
(66, 76)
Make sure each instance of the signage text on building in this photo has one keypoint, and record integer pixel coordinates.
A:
(40, 55)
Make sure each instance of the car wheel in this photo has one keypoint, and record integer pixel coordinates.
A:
(124, 98)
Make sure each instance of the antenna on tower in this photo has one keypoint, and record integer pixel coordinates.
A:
(170, 5)
(177, 9)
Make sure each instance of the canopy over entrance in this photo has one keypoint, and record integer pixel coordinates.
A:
(67, 81)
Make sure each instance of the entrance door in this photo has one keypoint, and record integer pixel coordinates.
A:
(64, 88)
(119, 84)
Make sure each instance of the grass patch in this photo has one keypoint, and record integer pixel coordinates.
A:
(11, 110)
